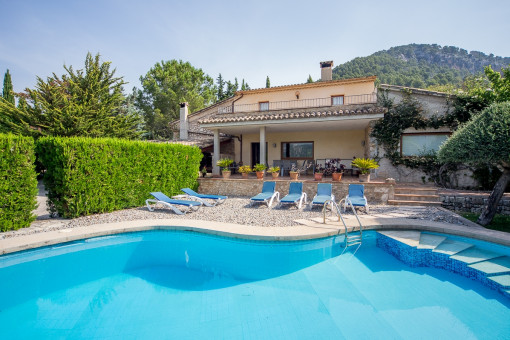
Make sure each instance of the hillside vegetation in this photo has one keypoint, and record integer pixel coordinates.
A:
(420, 65)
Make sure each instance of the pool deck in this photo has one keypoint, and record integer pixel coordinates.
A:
(308, 229)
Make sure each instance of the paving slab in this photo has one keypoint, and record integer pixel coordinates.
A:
(503, 280)
(451, 247)
(474, 254)
(429, 241)
(495, 266)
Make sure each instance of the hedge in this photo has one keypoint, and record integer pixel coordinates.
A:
(18, 182)
(94, 175)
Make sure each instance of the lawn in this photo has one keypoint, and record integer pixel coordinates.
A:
(500, 222)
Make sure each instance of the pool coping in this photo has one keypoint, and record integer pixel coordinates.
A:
(308, 229)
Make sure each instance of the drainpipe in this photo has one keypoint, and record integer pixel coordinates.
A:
(235, 101)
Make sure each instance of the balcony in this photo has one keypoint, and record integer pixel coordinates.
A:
(299, 104)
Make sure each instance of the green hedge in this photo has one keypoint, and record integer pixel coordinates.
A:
(18, 182)
(86, 176)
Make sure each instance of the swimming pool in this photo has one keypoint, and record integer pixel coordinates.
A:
(187, 285)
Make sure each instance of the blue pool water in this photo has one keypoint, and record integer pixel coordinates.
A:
(184, 285)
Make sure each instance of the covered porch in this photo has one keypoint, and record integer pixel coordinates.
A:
(324, 138)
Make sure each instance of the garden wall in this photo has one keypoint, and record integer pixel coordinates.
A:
(474, 203)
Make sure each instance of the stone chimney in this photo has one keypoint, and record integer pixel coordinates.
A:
(183, 133)
(327, 70)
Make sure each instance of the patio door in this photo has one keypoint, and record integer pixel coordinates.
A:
(255, 154)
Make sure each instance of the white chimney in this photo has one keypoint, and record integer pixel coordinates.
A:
(183, 134)
(327, 70)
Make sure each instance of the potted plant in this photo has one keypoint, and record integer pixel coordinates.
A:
(224, 163)
(275, 171)
(364, 165)
(204, 171)
(337, 173)
(259, 170)
(245, 170)
(295, 171)
(318, 174)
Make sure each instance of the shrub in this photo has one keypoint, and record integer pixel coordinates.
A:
(86, 176)
(259, 167)
(365, 164)
(18, 182)
(224, 163)
(245, 169)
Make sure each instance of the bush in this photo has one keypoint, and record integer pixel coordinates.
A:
(86, 176)
(18, 182)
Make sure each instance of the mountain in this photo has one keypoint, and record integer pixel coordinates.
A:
(420, 65)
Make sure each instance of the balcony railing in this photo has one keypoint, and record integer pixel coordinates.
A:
(299, 104)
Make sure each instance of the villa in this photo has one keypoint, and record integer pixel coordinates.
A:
(323, 122)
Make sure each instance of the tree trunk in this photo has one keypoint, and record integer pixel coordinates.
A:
(494, 198)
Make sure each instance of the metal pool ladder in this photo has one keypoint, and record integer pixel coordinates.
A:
(353, 238)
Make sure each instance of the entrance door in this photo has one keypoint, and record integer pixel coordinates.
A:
(255, 154)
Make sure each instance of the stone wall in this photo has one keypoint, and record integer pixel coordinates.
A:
(376, 193)
(473, 203)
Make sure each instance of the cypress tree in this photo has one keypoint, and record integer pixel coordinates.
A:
(268, 83)
(7, 93)
(221, 85)
(309, 80)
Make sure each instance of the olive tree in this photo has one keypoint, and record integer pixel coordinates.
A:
(484, 139)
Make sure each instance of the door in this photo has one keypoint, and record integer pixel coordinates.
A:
(255, 154)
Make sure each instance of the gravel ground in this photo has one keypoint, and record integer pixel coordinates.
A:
(233, 210)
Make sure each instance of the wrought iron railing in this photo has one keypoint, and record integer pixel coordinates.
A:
(299, 104)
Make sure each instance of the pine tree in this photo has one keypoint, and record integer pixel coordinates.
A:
(244, 86)
(221, 85)
(268, 83)
(236, 85)
(7, 93)
(309, 80)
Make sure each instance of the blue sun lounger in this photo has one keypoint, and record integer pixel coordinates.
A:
(356, 196)
(161, 198)
(192, 195)
(324, 194)
(295, 196)
(267, 195)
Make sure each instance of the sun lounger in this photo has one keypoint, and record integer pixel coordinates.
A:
(295, 196)
(267, 195)
(192, 195)
(161, 198)
(356, 196)
(324, 194)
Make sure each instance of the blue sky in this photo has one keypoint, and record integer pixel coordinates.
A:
(284, 40)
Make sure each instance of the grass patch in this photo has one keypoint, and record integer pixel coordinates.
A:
(499, 222)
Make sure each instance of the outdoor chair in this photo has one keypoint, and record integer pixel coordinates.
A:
(163, 199)
(324, 194)
(356, 196)
(192, 195)
(296, 195)
(267, 195)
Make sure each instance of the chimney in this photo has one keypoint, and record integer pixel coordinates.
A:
(183, 133)
(327, 70)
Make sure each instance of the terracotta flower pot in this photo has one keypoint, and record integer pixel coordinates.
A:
(226, 173)
(275, 174)
(260, 174)
(245, 175)
(337, 176)
(364, 177)
(318, 176)
(294, 175)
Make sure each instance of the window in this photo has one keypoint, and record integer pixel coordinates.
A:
(421, 144)
(337, 100)
(264, 106)
(297, 150)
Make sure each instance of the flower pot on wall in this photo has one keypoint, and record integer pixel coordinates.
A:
(318, 176)
(260, 174)
(364, 177)
(226, 173)
(245, 175)
(275, 175)
(294, 175)
(336, 176)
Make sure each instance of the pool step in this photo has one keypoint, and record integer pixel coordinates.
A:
(490, 268)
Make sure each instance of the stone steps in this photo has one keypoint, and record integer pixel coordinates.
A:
(490, 268)
(415, 196)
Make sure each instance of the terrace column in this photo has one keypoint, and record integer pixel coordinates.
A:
(262, 145)
(216, 152)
